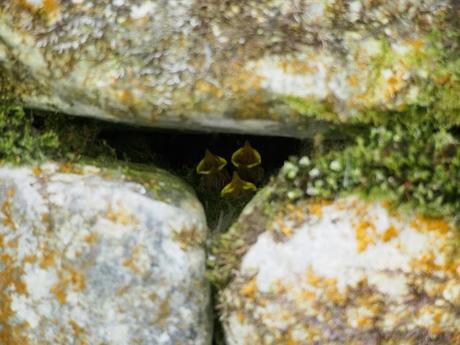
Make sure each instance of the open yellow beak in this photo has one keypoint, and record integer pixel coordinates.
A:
(246, 157)
(237, 187)
(210, 164)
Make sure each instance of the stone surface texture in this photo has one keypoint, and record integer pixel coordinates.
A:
(255, 67)
(89, 257)
(346, 272)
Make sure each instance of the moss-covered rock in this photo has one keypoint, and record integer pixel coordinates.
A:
(267, 68)
(92, 255)
(345, 271)
(390, 204)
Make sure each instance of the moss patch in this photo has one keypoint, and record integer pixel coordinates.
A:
(413, 166)
(20, 141)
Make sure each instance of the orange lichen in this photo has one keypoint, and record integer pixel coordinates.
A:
(48, 7)
(417, 43)
(241, 81)
(91, 238)
(68, 277)
(353, 80)
(390, 233)
(365, 234)
(7, 211)
(296, 213)
(312, 278)
(240, 316)
(394, 83)
(249, 289)
(77, 279)
(10, 333)
(306, 295)
(29, 259)
(296, 66)
(12, 243)
(78, 333)
(36, 171)
(282, 227)
(120, 216)
(208, 88)
(59, 290)
(131, 262)
(316, 209)
(430, 224)
(48, 258)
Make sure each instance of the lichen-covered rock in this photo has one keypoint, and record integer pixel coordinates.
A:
(92, 256)
(347, 272)
(256, 67)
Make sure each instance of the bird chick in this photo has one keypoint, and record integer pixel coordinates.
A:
(247, 161)
(213, 174)
(238, 188)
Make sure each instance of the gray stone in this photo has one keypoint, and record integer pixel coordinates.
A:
(93, 256)
(343, 272)
(255, 67)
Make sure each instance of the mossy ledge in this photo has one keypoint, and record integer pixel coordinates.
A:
(412, 163)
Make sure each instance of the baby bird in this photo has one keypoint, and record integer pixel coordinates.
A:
(213, 174)
(238, 188)
(247, 161)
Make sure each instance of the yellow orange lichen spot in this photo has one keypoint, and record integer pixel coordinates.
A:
(416, 43)
(306, 295)
(240, 316)
(121, 216)
(6, 210)
(430, 224)
(285, 229)
(131, 262)
(316, 209)
(91, 238)
(59, 290)
(364, 235)
(208, 88)
(47, 258)
(48, 7)
(78, 280)
(353, 80)
(390, 233)
(394, 83)
(249, 289)
(36, 171)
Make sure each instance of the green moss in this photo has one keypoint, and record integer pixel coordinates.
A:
(20, 141)
(414, 166)
(311, 107)
(434, 66)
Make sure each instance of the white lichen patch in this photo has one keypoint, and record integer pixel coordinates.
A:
(88, 259)
(349, 271)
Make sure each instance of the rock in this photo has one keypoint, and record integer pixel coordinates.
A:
(345, 271)
(259, 67)
(92, 256)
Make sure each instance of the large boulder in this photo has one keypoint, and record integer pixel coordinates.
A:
(255, 67)
(100, 256)
(343, 271)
